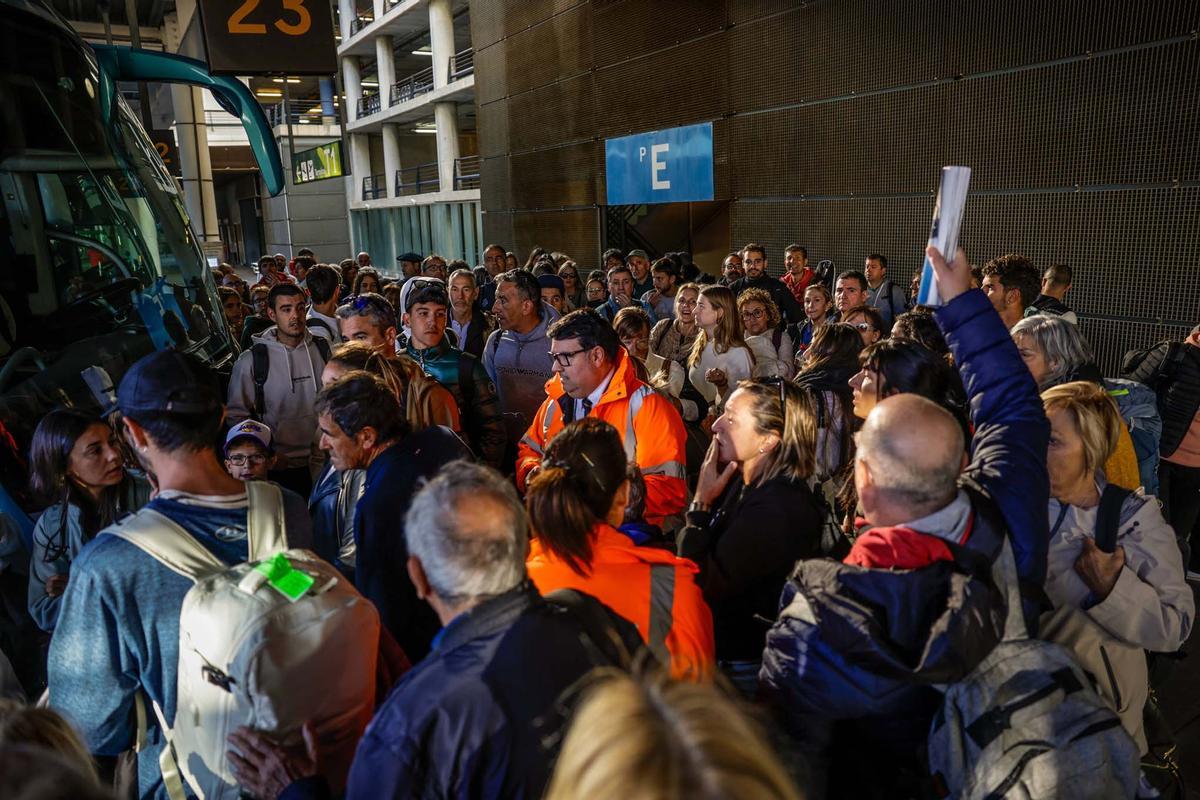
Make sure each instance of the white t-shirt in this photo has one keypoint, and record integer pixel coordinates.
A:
(736, 363)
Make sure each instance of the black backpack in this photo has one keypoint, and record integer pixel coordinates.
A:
(1166, 371)
(261, 363)
(313, 322)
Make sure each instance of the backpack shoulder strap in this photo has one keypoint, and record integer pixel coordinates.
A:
(597, 628)
(322, 345)
(261, 363)
(315, 322)
(161, 538)
(264, 520)
(1108, 518)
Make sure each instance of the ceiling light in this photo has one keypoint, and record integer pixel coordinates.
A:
(372, 84)
(423, 51)
(268, 93)
(289, 80)
(424, 130)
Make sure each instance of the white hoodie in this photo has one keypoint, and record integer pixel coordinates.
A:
(290, 394)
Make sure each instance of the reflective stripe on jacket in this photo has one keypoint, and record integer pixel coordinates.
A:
(650, 427)
(651, 588)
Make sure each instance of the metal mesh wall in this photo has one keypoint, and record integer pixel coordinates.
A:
(831, 120)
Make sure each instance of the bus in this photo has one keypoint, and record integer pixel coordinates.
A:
(99, 264)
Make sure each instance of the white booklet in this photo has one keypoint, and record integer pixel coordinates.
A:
(943, 233)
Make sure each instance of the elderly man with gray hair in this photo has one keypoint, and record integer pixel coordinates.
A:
(858, 646)
(482, 715)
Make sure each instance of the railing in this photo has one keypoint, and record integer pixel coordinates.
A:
(276, 115)
(368, 105)
(418, 179)
(414, 85)
(374, 187)
(360, 22)
(462, 64)
(466, 172)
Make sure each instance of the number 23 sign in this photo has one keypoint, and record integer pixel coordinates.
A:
(269, 37)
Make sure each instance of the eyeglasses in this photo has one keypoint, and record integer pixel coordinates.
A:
(863, 326)
(759, 314)
(633, 343)
(564, 359)
(256, 460)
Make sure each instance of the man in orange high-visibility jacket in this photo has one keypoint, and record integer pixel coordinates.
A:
(594, 377)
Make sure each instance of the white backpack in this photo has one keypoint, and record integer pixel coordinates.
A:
(251, 655)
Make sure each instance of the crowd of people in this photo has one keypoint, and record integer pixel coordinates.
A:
(637, 531)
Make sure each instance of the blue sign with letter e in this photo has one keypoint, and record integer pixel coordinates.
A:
(671, 166)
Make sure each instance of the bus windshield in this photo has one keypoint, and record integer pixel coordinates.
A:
(98, 262)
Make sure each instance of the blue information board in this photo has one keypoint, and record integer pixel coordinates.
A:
(670, 166)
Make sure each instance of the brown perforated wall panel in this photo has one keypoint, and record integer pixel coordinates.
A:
(832, 118)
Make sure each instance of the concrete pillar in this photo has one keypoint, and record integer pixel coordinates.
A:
(441, 40)
(445, 117)
(378, 6)
(328, 112)
(196, 166)
(360, 163)
(346, 15)
(386, 62)
(391, 155)
(352, 82)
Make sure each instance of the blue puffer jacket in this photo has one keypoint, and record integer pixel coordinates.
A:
(868, 644)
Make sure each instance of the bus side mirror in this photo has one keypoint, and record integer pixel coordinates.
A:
(127, 64)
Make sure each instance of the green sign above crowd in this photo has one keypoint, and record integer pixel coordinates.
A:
(318, 163)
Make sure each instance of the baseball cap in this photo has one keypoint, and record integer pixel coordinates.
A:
(638, 253)
(409, 257)
(551, 282)
(169, 381)
(250, 429)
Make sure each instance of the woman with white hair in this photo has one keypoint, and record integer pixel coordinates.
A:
(1056, 353)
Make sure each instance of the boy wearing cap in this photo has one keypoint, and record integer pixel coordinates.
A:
(425, 317)
(118, 629)
(553, 292)
(249, 454)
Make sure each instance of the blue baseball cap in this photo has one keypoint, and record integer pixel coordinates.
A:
(551, 282)
(169, 381)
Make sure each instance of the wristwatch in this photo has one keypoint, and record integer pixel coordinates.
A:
(699, 506)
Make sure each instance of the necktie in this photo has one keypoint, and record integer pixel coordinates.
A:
(587, 406)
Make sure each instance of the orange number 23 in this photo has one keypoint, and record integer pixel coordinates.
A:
(237, 21)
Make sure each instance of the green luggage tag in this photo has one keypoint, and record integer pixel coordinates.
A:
(289, 582)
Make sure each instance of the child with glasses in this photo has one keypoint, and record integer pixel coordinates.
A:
(249, 453)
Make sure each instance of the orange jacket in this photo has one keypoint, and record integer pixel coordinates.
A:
(648, 423)
(653, 589)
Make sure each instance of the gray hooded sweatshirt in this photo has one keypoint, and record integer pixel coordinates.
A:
(293, 380)
(519, 366)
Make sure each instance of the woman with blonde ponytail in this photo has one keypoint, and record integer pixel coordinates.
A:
(425, 401)
(576, 503)
(754, 514)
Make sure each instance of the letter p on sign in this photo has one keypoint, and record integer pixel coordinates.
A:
(657, 165)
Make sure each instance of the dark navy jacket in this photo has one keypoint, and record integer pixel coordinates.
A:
(381, 554)
(877, 639)
(483, 715)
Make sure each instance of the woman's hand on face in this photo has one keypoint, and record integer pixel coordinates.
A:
(715, 376)
(1098, 569)
(56, 585)
(713, 480)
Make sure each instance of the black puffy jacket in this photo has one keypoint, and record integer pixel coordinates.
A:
(1178, 396)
